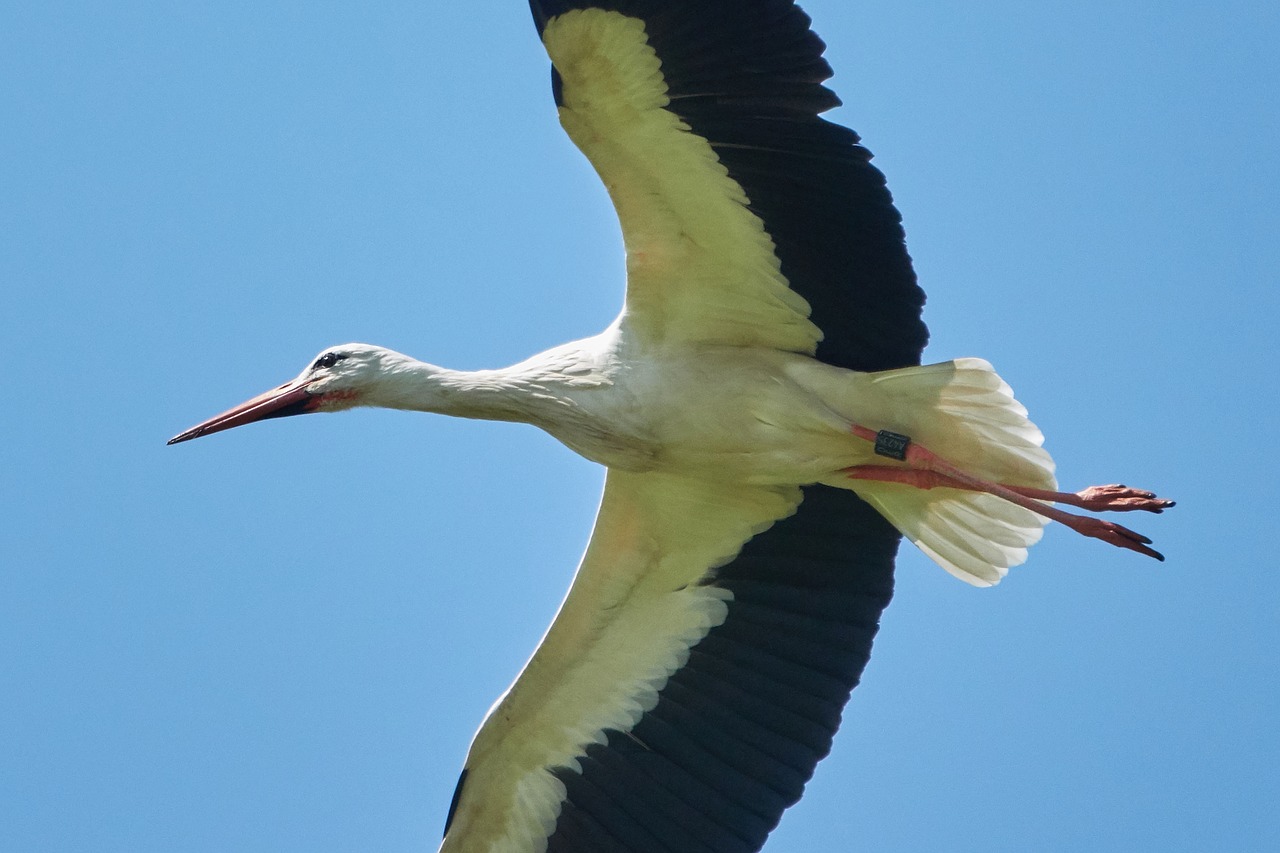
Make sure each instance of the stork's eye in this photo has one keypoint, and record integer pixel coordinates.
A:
(329, 359)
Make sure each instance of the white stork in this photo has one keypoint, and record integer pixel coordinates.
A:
(768, 436)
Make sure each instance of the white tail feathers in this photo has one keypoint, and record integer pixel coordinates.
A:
(965, 413)
(976, 537)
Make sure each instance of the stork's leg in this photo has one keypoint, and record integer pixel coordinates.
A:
(1116, 497)
(927, 470)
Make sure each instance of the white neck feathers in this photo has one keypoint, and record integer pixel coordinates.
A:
(539, 391)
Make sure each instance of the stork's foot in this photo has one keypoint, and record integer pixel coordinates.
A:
(1109, 531)
(1120, 498)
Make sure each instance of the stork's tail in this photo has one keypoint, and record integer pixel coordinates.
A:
(963, 412)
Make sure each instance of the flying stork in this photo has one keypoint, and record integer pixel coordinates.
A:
(768, 433)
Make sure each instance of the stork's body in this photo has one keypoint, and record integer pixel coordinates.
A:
(723, 413)
(768, 434)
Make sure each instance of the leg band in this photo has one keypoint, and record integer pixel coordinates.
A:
(892, 445)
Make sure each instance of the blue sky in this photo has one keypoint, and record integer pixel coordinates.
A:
(282, 638)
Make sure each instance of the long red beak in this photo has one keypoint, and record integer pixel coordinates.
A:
(291, 398)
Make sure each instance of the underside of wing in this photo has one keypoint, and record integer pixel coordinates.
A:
(693, 678)
(696, 672)
(747, 218)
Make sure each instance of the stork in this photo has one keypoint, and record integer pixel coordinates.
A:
(768, 432)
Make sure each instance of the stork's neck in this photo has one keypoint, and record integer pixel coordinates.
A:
(491, 395)
(573, 392)
(537, 391)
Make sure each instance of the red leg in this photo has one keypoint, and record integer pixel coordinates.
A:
(926, 470)
(1116, 498)
(906, 476)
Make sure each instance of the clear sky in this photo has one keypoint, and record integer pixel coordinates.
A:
(281, 638)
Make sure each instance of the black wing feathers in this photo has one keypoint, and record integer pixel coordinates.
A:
(738, 730)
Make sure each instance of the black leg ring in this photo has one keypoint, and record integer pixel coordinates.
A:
(892, 444)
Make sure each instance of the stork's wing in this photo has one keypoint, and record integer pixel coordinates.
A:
(696, 672)
(747, 218)
(693, 678)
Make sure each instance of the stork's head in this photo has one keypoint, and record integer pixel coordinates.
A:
(338, 378)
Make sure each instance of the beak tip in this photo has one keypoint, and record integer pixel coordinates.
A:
(181, 437)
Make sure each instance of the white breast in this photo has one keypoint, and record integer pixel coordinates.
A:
(722, 413)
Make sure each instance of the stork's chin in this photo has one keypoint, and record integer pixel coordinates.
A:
(291, 398)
